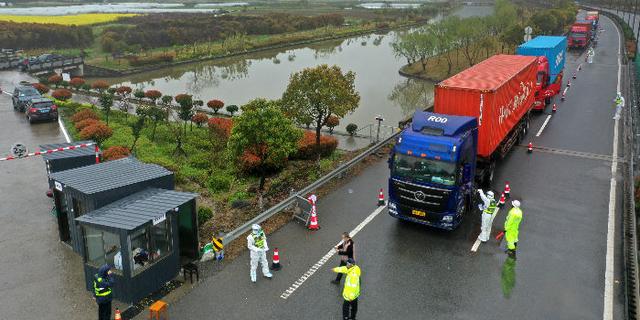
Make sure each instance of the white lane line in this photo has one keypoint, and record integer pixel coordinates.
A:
(543, 126)
(477, 244)
(607, 313)
(565, 90)
(7, 93)
(64, 130)
(328, 256)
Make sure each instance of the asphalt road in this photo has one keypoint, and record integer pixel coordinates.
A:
(40, 278)
(413, 272)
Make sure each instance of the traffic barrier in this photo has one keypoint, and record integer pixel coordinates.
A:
(97, 154)
(381, 198)
(218, 248)
(507, 190)
(530, 148)
(502, 201)
(41, 152)
(276, 260)
(118, 316)
(554, 109)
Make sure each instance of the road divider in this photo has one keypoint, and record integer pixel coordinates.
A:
(287, 293)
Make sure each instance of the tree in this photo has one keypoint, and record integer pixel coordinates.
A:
(55, 80)
(261, 141)
(445, 33)
(115, 153)
(352, 128)
(156, 114)
(232, 108)
(106, 103)
(215, 105)
(512, 36)
(199, 119)
(138, 94)
(333, 122)
(186, 108)
(472, 30)
(166, 100)
(315, 94)
(100, 86)
(41, 88)
(153, 95)
(137, 126)
(123, 91)
(76, 82)
(405, 46)
(62, 94)
(98, 132)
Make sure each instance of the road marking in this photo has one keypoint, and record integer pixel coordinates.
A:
(543, 126)
(476, 244)
(607, 313)
(64, 130)
(565, 90)
(572, 153)
(328, 256)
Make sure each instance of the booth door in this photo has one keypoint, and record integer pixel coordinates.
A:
(61, 215)
(187, 231)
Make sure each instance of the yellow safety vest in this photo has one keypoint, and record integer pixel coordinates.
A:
(491, 208)
(258, 240)
(100, 291)
(351, 283)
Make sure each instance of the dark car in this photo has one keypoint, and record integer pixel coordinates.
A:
(41, 109)
(22, 94)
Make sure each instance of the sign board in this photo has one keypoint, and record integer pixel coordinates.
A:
(19, 150)
(66, 77)
(57, 185)
(527, 33)
(159, 219)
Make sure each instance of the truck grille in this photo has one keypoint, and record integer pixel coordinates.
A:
(425, 198)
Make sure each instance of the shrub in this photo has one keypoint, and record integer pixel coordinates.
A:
(232, 108)
(86, 87)
(115, 153)
(215, 105)
(99, 85)
(98, 132)
(85, 123)
(221, 126)
(111, 90)
(41, 88)
(219, 181)
(137, 61)
(332, 122)
(204, 214)
(55, 79)
(123, 90)
(199, 119)
(62, 94)
(352, 128)
(184, 98)
(76, 82)
(307, 146)
(249, 161)
(138, 93)
(166, 99)
(153, 95)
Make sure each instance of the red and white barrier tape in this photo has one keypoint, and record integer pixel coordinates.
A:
(41, 152)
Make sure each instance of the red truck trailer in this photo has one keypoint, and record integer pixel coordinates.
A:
(500, 93)
(580, 34)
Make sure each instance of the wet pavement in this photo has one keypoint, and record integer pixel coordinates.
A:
(413, 272)
(41, 278)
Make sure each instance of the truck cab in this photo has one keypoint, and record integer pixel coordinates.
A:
(432, 170)
(551, 54)
(580, 34)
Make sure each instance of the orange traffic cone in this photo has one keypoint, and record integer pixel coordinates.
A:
(555, 108)
(574, 75)
(562, 97)
(313, 223)
(507, 190)
(117, 315)
(502, 201)
(381, 198)
(276, 260)
(530, 148)
(569, 83)
(97, 151)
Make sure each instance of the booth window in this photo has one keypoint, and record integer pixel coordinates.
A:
(150, 244)
(102, 247)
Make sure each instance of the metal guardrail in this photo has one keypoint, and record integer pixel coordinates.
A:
(55, 63)
(283, 205)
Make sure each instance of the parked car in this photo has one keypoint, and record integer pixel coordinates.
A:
(22, 94)
(41, 109)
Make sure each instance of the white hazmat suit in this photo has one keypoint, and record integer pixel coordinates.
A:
(619, 101)
(487, 218)
(257, 244)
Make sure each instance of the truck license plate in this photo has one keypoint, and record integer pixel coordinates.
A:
(419, 213)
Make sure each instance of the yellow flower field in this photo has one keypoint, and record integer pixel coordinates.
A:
(78, 19)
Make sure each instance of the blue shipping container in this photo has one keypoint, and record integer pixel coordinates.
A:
(552, 47)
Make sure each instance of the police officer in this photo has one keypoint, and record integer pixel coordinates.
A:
(257, 244)
(512, 228)
(488, 208)
(102, 283)
(351, 290)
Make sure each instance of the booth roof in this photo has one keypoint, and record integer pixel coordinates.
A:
(137, 209)
(77, 152)
(109, 175)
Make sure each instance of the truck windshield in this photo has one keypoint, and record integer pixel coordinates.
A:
(424, 170)
(578, 34)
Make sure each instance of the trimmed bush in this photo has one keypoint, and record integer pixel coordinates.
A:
(332, 122)
(99, 85)
(98, 132)
(153, 95)
(232, 108)
(84, 114)
(249, 161)
(115, 152)
(85, 123)
(215, 105)
(41, 88)
(221, 126)
(352, 128)
(55, 79)
(199, 119)
(62, 94)
(77, 82)
(204, 214)
(307, 146)
(123, 90)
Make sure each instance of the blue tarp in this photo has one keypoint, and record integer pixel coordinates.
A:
(552, 47)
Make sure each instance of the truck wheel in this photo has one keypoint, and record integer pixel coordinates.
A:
(547, 101)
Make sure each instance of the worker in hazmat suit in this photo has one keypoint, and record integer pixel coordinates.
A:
(488, 209)
(257, 244)
(619, 100)
(512, 227)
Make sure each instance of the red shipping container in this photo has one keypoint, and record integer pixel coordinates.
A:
(498, 91)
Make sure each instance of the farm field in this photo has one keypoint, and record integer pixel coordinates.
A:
(67, 20)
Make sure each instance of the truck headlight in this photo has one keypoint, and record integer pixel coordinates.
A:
(447, 218)
(392, 205)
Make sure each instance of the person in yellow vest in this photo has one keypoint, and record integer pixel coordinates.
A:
(102, 283)
(257, 244)
(351, 290)
(512, 227)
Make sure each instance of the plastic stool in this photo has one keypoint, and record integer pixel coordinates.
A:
(157, 309)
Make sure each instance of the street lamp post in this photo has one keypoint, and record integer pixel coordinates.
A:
(379, 119)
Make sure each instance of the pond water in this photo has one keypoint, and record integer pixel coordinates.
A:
(143, 7)
(266, 74)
